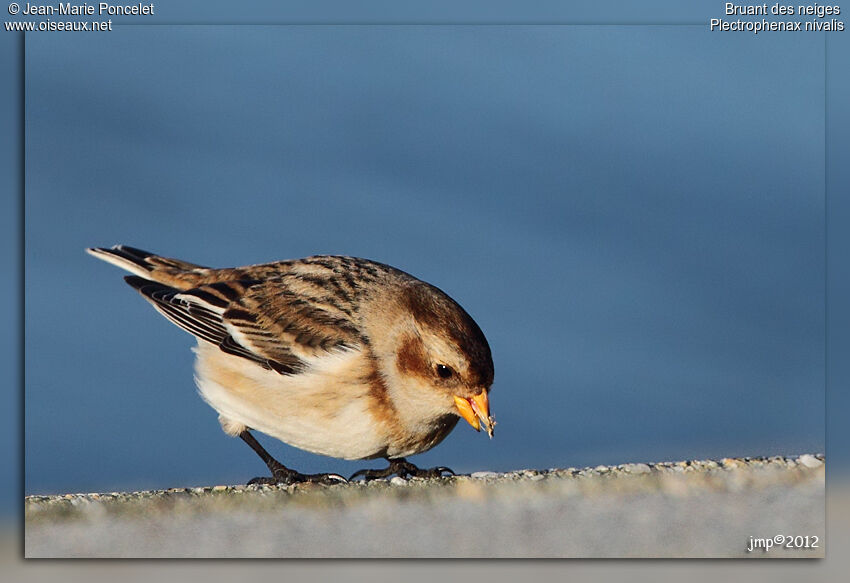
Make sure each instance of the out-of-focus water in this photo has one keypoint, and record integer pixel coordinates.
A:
(633, 215)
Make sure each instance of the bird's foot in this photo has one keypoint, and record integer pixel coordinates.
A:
(283, 475)
(403, 469)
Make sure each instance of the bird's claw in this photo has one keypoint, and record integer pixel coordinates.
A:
(283, 475)
(368, 474)
(403, 469)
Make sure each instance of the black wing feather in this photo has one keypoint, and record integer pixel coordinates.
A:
(201, 322)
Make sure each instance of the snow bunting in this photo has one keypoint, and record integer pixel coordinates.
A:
(339, 356)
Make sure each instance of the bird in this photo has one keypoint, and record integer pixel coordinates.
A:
(339, 356)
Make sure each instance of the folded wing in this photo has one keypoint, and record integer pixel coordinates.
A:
(262, 321)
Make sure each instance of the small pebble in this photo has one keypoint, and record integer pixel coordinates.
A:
(398, 481)
(480, 475)
(810, 461)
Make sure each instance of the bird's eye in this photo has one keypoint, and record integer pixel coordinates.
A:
(443, 371)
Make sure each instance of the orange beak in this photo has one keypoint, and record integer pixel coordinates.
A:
(476, 411)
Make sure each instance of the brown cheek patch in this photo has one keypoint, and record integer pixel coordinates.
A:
(410, 357)
(381, 406)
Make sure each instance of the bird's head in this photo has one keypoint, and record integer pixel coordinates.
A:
(444, 352)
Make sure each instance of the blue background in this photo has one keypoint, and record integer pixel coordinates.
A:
(634, 216)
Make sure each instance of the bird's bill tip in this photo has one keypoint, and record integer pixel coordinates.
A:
(476, 411)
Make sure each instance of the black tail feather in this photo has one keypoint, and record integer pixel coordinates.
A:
(137, 282)
(130, 254)
(135, 252)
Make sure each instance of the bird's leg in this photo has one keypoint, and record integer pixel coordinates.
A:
(280, 473)
(403, 469)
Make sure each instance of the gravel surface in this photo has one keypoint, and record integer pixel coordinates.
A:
(672, 509)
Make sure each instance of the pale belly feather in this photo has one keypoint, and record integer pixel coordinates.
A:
(324, 410)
